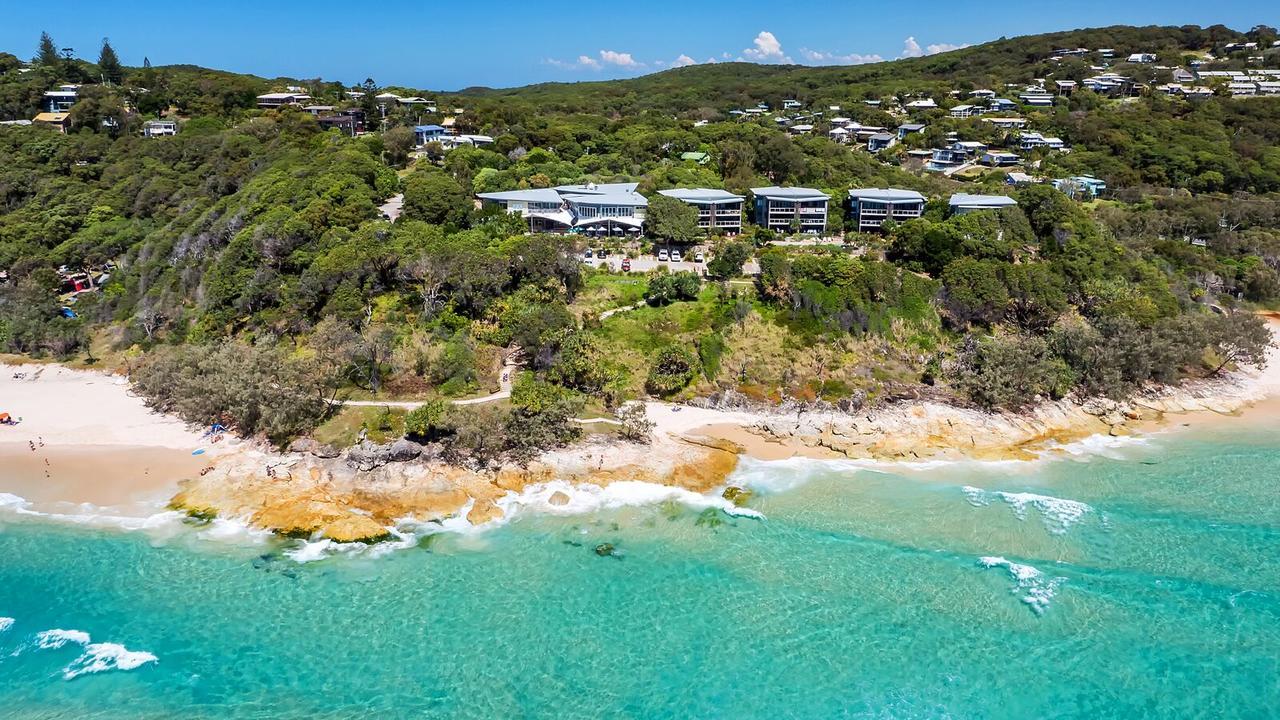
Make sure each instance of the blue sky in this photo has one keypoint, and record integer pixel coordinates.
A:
(447, 46)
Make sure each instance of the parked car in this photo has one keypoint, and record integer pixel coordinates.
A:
(586, 254)
(663, 256)
(626, 264)
(602, 253)
(699, 257)
(676, 256)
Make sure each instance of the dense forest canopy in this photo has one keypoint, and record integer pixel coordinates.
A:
(257, 234)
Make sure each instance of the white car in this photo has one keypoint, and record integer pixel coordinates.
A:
(676, 257)
(699, 257)
(662, 256)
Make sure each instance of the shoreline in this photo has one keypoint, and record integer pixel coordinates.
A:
(97, 445)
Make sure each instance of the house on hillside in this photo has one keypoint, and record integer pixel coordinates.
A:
(159, 128)
(1182, 75)
(839, 134)
(349, 125)
(925, 104)
(881, 141)
(1036, 99)
(1143, 58)
(61, 121)
(1033, 140)
(1001, 105)
(962, 203)
(984, 94)
(1007, 123)
(718, 210)
(964, 111)
(1081, 185)
(871, 207)
(908, 128)
(1019, 179)
(999, 158)
(699, 158)
(280, 99)
(792, 208)
(424, 134)
(61, 100)
(606, 209)
(1243, 89)
(1065, 87)
(792, 104)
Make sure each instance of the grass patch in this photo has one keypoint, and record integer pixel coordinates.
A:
(383, 424)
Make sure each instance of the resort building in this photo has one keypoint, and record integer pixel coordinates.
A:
(590, 209)
(962, 203)
(871, 207)
(786, 209)
(718, 210)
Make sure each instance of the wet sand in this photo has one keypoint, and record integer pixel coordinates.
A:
(105, 476)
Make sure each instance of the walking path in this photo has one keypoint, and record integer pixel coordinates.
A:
(393, 207)
(507, 379)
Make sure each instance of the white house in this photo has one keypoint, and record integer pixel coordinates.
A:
(964, 111)
(159, 128)
(925, 104)
(718, 210)
(783, 209)
(871, 207)
(1142, 58)
(280, 99)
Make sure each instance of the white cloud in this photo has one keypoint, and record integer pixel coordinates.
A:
(612, 58)
(817, 57)
(911, 48)
(621, 59)
(683, 60)
(767, 49)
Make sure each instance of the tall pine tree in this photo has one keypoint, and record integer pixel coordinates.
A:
(109, 64)
(48, 53)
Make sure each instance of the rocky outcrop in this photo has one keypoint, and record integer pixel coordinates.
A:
(367, 456)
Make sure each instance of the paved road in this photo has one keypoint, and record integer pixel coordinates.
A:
(393, 207)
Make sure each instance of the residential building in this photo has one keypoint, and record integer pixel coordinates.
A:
(1007, 123)
(349, 125)
(791, 104)
(925, 104)
(1142, 58)
(1182, 75)
(786, 209)
(426, 133)
(1033, 140)
(1243, 89)
(839, 134)
(1269, 88)
(61, 100)
(999, 158)
(1081, 185)
(590, 209)
(908, 128)
(962, 203)
(318, 110)
(1037, 99)
(1001, 105)
(1065, 87)
(964, 111)
(280, 99)
(985, 94)
(449, 142)
(871, 207)
(718, 210)
(159, 128)
(880, 141)
(699, 158)
(59, 120)
(1019, 179)
(954, 155)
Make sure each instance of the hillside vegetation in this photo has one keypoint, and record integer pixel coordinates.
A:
(253, 241)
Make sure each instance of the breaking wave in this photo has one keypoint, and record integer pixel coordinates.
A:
(1058, 514)
(1035, 588)
(96, 657)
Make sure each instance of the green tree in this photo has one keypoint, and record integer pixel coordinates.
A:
(729, 259)
(425, 421)
(47, 54)
(672, 220)
(973, 292)
(432, 196)
(673, 369)
(398, 142)
(109, 64)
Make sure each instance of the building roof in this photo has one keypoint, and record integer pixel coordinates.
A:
(628, 198)
(981, 201)
(882, 136)
(701, 196)
(541, 195)
(51, 117)
(789, 193)
(427, 128)
(887, 195)
(911, 127)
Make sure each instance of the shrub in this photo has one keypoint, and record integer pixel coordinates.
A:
(425, 421)
(673, 369)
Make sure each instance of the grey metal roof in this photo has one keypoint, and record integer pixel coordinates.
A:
(701, 196)
(542, 195)
(789, 193)
(889, 195)
(981, 201)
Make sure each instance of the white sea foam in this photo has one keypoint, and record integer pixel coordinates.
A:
(1058, 514)
(1036, 589)
(535, 499)
(1115, 447)
(54, 639)
(6, 623)
(100, 657)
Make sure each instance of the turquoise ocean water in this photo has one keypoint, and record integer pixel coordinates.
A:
(1144, 582)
